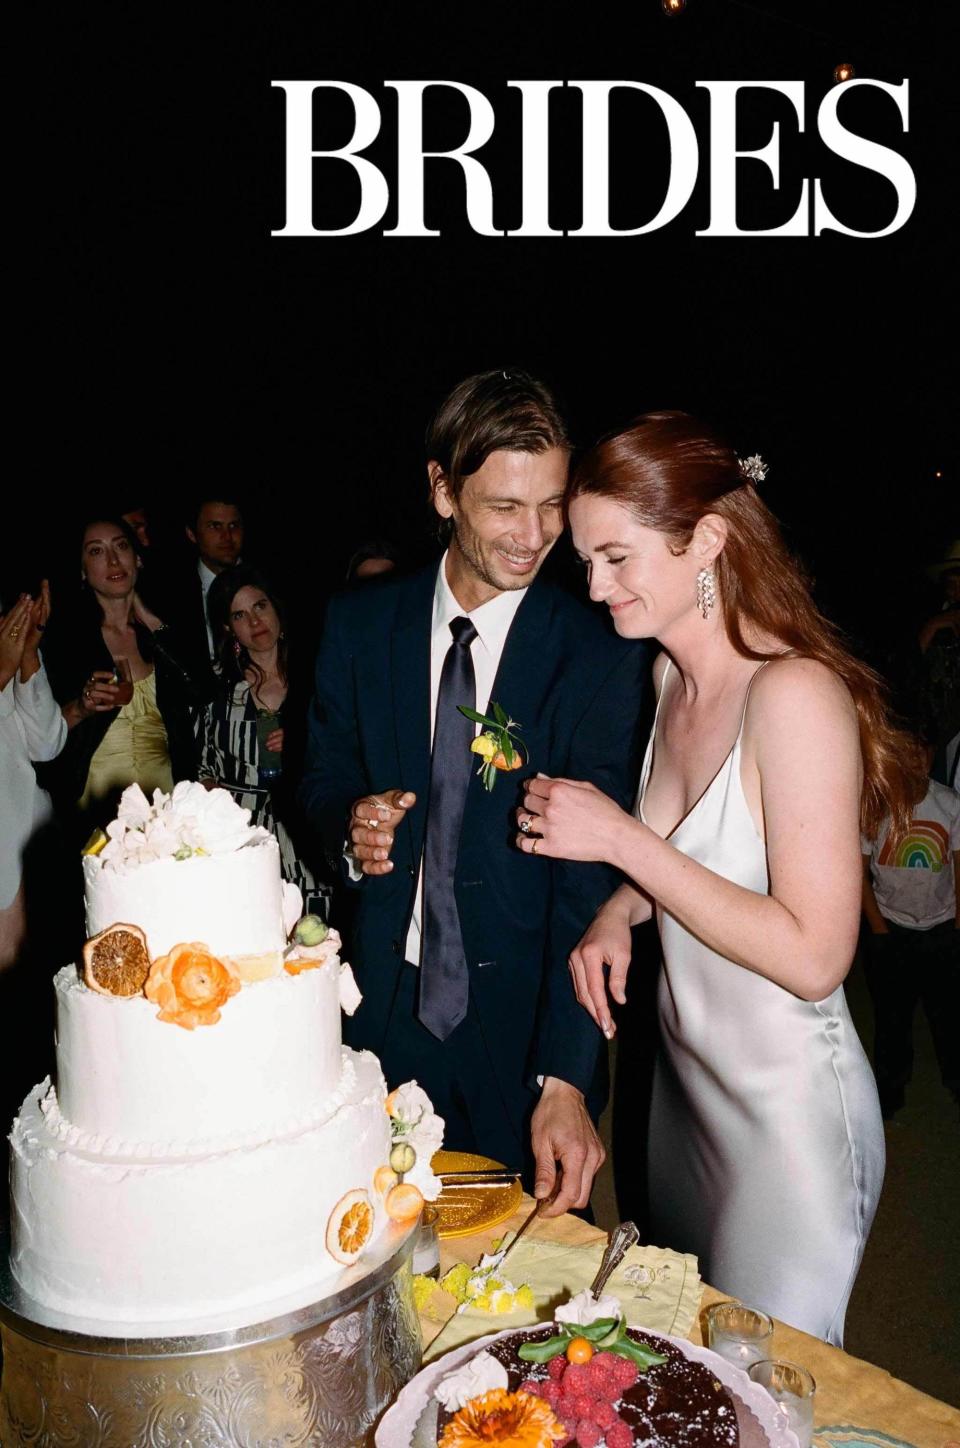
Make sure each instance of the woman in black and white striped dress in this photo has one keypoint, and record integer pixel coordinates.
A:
(248, 744)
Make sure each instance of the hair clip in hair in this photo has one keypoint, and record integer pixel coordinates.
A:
(753, 468)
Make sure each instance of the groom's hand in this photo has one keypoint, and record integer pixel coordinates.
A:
(561, 1131)
(373, 822)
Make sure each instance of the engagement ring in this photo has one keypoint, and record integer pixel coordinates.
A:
(526, 825)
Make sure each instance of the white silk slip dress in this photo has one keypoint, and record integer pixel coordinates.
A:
(766, 1142)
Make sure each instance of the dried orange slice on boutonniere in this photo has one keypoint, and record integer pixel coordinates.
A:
(116, 961)
(498, 747)
(190, 985)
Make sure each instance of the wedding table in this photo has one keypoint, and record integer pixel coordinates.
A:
(858, 1405)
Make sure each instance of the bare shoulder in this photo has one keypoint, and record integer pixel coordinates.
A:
(800, 688)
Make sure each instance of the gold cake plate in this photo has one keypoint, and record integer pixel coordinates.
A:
(465, 1210)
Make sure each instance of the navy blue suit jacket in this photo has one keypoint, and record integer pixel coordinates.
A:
(576, 689)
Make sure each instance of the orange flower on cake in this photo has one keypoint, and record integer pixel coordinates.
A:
(510, 1420)
(190, 985)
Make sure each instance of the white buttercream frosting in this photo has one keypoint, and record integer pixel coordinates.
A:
(273, 1057)
(175, 1174)
(232, 903)
(478, 1375)
(172, 1240)
(584, 1308)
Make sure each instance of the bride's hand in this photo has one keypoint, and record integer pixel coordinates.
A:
(574, 821)
(606, 942)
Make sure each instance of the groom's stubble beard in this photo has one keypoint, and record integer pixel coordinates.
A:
(474, 559)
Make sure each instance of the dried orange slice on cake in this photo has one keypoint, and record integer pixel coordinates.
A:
(350, 1227)
(116, 961)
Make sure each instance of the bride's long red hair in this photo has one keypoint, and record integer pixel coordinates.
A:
(669, 470)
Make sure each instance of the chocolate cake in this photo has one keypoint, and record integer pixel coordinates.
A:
(677, 1402)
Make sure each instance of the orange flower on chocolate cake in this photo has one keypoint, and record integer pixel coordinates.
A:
(190, 985)
(508, 1420)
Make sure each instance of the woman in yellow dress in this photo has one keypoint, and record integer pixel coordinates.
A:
(129, 704)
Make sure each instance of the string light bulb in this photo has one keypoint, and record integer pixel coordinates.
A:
(673, 7)
(844, 72)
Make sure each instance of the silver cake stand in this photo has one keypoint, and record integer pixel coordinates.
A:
(317, 1370)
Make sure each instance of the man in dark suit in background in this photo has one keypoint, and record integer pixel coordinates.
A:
(215, 531)
(462, 942)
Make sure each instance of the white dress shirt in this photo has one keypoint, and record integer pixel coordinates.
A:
(492, 621)
(31, 727)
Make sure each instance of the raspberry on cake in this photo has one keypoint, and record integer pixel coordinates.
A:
(639, 1389)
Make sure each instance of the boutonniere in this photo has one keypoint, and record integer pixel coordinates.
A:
(498, 746)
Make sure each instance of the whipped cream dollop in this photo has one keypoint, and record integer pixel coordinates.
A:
(584, 1308)
(192, 820)
(481, 1374)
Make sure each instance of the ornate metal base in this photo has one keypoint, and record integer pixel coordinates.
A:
(319, 1376)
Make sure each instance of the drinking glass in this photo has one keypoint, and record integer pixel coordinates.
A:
(270, 760)
(792, 1388)
(739, 1334)
(123, 680)
(426, 1254)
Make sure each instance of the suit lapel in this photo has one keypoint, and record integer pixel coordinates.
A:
(410, 669)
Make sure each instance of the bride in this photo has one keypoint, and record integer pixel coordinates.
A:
(770, 751)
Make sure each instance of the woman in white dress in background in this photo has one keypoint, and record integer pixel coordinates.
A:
(771, 750)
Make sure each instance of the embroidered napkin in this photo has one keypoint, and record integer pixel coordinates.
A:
(657, 1288)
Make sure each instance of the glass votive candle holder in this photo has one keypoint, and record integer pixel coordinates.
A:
(426, 1254)
(792, 1388)
(739, 1334)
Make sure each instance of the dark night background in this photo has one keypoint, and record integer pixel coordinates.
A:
(173, 342)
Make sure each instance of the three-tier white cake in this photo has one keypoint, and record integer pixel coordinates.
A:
(188, 1165)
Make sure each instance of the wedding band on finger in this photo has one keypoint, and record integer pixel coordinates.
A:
(534, 843)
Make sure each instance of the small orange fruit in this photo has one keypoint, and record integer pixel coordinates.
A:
(404, 1201)
(383, 1179)
(391, 1101)
(579, 1350)
(499, 761)
(350, 1227)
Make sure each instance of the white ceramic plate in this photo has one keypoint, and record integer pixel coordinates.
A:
(412, 1421)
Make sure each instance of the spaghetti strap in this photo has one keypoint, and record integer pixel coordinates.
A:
(746, 700)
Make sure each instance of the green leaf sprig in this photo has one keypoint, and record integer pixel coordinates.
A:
(497, 741)
(607, 1334)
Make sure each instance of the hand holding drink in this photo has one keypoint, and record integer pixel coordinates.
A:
(123, 681)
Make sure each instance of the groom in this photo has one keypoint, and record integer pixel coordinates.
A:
(462, 942)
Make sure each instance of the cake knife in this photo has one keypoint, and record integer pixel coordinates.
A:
(497, 1259)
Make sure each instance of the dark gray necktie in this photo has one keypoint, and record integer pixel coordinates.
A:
(444, 984)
